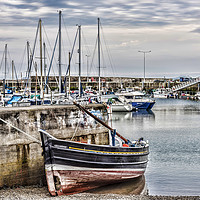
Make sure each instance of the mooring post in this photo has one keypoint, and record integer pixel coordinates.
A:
(113, 133)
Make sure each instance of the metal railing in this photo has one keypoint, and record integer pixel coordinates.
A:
(185, 84)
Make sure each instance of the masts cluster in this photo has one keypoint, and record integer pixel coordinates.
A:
(43, 77)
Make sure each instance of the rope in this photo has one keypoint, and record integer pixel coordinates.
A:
(71, 56)
(75, 131)
(47, 77)
(108, 52)
(92, 61)
(31, 61)
(21, 63)
(36, 140)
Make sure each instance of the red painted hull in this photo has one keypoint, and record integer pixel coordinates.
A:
(68, 182)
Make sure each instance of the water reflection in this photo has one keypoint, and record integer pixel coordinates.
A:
(140, 114)
(143, 113)
(172, 129)
(134, 186)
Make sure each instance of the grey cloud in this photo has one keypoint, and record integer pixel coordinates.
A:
(197, 30)
(6, 39)
(123, 13)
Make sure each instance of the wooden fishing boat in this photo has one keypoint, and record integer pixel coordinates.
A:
(73, 167)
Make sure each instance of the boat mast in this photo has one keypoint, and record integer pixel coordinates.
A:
(28, 56)
(99, 55)
(35, 83)
(79, 51)
(5, 60)
(28, 60)
(41, 88)
(59, 57)
(12, 74)
(69, 72)
(45, 66)
(4, 80)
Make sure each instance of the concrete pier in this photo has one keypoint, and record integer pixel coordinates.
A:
(21, 161)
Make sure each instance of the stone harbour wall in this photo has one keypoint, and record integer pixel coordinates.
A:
(21, 161)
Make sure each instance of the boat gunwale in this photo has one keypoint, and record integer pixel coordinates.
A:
(49, 139)
(96, 145)
(90, 151)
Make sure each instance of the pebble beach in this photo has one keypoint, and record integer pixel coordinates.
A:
(35, 192)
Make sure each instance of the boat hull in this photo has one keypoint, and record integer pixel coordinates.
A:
(73, 167)
(75, 180)
(143, 105)
(121, 108)
(161, 96)
(136, 99)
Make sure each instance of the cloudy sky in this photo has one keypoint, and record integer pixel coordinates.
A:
(169, 29)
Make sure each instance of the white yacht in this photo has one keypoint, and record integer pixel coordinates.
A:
(137, 99)
(161, 93)
(114, 104)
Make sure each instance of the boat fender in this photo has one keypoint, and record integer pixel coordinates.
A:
(143, 143)
(125, 145)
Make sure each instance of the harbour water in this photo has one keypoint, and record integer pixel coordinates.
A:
(172, 129)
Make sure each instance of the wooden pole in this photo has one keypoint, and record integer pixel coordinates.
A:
(100, 121)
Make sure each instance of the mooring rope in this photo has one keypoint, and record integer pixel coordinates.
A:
(75, 131)
(31, 137)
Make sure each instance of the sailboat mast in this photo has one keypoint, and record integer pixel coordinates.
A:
(28, 62)
(12, 74)
(45, 66)
(59, 57)
(5, 60)
(69, 72)
(35, 83)
(41, 88)
(99, 59)
(28, 57)
(79, 51)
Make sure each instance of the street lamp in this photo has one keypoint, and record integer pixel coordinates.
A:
(144, 52)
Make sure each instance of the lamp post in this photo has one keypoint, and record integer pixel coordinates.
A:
(144, 52)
